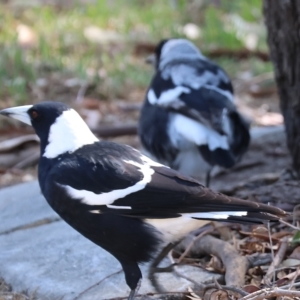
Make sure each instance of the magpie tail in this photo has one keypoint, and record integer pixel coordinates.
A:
(216, 206)
(241, 140)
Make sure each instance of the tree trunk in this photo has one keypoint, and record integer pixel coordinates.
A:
(282, 18)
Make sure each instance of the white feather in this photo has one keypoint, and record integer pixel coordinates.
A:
(183, 129)
(177, 228)
(108, 198)
(169, 97)
(67, 134)
(215, 215)
(179, 49)
(190, 162)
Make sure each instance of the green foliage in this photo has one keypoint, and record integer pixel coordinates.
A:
(296, 237)
(61, 47)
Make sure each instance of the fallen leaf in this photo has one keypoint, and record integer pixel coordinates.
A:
(250, 288)
(291, 262)
(215, 264)
(214, 294)
(193, 296)
(280, 234)
(296, 253)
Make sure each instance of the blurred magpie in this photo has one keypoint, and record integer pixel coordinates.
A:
(118, 198)
(188, 119)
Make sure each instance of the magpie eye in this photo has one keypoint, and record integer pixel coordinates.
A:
(34, 114)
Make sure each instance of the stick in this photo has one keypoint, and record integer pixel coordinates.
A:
(236, 265)
(194, 240)
(114, 131)
(277, 260)
(269, 293)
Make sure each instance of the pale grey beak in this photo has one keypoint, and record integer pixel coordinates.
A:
(19, 112)
(151, 60)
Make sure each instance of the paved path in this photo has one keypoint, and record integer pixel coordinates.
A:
(39, 252)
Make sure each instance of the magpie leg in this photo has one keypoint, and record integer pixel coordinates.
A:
(154, 269)
(133, 276)
(134, 292)
(207, 178)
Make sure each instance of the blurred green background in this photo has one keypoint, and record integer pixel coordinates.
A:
(49, 49)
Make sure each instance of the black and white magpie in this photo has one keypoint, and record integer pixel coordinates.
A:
(188, 119)
(118, 198)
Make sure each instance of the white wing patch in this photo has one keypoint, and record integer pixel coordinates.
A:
(67, 134)
(177, 228)
(118, 207)
(183, 129)
(109, 198)
(169, 97)
(215, 215)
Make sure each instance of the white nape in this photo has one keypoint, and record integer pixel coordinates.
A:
(67, 134)
(109, 198)
(183, 129)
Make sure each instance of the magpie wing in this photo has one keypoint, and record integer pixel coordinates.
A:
(111, 178)
(200, 91)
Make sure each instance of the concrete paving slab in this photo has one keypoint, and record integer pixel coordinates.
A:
(21, 205)
(56, 262)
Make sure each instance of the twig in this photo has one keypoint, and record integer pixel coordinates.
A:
(294, 213)
(189, 247)
(114, 131)
(295, 275)
(31, 159)
(277, 260)
(297, 284)
(271, 292)
(236, 265)
(217, 284)
(81, 92)
(97, 283)
(152, 294)
(272, 250)
(16, 295)
(288, 224)
(233, 289)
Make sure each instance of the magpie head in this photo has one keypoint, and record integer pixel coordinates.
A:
(59, 127)
(168, 50)
(153, 59)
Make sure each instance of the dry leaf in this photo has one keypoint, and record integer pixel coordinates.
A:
(213, 294)
(252, 247)
(250, 288)
(215, 264)
(280, 234)
(296, 253)
(225, 232)
(193, 296)
(281, 274)
(291, 262)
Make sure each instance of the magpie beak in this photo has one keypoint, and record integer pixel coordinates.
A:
(151, 60)
(18, 113)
